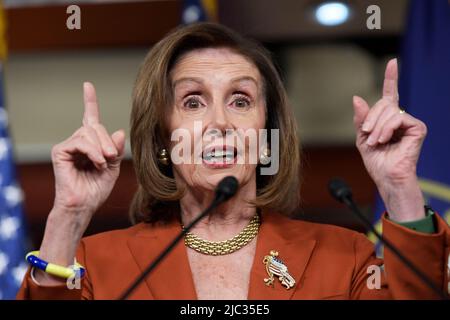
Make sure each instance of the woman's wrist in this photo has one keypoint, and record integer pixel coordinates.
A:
(62, 235)
(404, 201)
(63, 232)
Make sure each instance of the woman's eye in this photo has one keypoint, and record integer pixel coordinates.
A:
(192, 103)
(241, 102)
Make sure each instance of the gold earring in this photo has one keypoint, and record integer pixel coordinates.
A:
(163, 157)
(264, 157)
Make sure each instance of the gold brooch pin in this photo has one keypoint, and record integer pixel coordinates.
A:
(276, 267)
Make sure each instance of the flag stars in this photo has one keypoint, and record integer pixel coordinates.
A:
(19, 272)
(8, 227)
(191, 14)
(13, 195)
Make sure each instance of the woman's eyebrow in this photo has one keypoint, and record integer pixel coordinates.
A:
(187, 79)
(245, 79)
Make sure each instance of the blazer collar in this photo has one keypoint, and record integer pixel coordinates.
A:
(172, 279)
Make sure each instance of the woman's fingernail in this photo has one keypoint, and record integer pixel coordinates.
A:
(366, 127)
(371, 141)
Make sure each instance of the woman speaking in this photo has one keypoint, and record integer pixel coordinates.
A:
(203, 82)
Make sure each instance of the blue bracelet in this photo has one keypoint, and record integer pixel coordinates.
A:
(53, 269)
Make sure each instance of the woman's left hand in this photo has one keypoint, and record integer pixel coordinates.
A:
(389, 141)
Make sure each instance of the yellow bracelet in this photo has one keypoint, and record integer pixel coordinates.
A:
(54, 269)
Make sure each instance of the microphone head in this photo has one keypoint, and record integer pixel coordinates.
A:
(339, 189)
(227, 187)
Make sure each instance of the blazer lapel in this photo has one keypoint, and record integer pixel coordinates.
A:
(172, 279)
(276, 233)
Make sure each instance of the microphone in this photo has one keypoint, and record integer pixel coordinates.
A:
(226, 189)
(342, 192)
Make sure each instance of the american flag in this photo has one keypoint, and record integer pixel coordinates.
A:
(199, 10)
(12, 232)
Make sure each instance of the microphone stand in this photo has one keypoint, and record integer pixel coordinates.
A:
(344, 195)
(226, 188)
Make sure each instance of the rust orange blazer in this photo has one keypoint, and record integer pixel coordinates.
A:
(327, 262)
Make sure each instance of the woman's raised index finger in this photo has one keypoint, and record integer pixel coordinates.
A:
(390, 85)
(91, 113)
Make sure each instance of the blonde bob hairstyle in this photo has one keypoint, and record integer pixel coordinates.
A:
(157, 197)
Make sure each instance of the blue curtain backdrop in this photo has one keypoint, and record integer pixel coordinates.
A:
(424, 88)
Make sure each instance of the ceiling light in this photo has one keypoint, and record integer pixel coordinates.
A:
(332, 13)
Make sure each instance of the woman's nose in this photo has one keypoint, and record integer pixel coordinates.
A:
(219, 118)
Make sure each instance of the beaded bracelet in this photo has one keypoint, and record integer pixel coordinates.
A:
(53, 269)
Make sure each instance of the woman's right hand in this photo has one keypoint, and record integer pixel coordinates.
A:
(86, 167)
(87, 164)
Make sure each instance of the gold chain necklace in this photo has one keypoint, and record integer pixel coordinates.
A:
(215, 248)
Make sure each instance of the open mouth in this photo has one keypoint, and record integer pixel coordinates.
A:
(219, 155)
